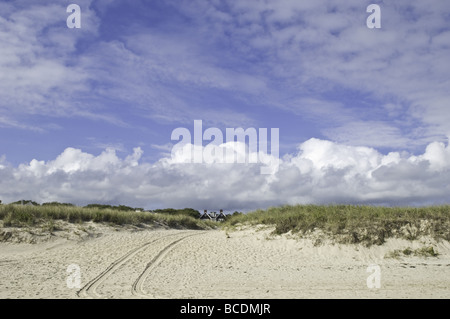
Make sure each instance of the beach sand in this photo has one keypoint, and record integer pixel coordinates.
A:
(244, 264)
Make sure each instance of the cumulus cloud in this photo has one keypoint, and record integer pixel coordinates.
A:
(322, 172)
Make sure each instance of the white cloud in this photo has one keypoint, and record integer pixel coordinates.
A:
(321, 172)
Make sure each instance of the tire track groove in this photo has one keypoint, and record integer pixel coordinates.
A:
(90, 289)
(137, 289)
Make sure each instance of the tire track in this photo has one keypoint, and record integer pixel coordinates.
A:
(137, 289)
(90, 289)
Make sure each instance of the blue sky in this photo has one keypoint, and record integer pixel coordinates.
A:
(116, 88)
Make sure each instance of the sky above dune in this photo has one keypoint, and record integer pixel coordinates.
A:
(86, 115)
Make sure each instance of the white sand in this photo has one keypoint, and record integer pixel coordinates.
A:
(209, 264)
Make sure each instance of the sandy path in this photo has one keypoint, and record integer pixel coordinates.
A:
(210, 264)
(247, 265)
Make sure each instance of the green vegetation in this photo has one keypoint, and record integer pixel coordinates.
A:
(353, 224)
(23, 216)
(426, 251)
(421, 252)
(344, 223)
(186, 212)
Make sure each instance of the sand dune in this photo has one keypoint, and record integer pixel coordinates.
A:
(161, 263)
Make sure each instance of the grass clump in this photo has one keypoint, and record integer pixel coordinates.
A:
(429, 251)
(426, 252)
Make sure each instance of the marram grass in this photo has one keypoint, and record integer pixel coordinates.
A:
(19, 216)
(353, 224)
(346, 223)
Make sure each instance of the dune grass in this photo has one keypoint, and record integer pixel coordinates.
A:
(353, 224)
(345, 223)
(21, 216)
